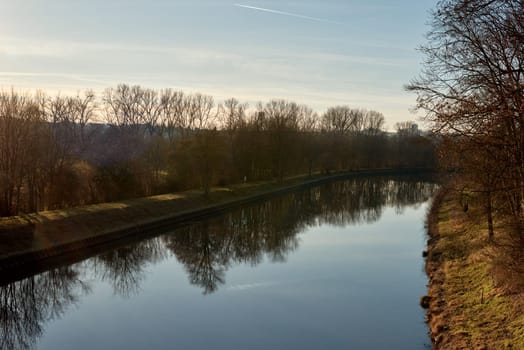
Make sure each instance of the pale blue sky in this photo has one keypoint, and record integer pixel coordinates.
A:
(321, 53)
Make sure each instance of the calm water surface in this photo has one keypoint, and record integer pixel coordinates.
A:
(333, 267)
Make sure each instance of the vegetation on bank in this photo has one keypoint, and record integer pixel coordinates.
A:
(472, 89)
(476, 285)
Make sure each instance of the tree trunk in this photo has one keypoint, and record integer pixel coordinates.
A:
(489, 212)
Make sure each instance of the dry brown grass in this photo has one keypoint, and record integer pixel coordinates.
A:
(474, 299)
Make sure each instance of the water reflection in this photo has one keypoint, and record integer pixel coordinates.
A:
(123, 268)
(207, 249)
(25, 306)
(268, 230)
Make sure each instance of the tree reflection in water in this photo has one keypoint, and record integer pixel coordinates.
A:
(206, 249)
(123, 268)
(25, 306)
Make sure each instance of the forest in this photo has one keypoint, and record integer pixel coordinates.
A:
(130, 141)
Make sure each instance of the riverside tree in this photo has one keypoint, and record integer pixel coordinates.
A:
(472, 87)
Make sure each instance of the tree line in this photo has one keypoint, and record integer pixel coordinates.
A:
(472, 88)
(62, 151)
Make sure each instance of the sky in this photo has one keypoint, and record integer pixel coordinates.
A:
(320, 53)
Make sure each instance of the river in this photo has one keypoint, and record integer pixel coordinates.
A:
(337, 266)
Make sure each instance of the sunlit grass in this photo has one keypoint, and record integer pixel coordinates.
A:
(476, 308)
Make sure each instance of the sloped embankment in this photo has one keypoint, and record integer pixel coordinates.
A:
(474, 300)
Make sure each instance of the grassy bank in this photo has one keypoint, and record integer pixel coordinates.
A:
(53, 228)
(477, 299)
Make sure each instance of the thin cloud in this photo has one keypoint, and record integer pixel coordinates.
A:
(38, 75)
(289, 14)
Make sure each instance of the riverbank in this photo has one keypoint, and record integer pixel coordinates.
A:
(476, 297)
(27, 241)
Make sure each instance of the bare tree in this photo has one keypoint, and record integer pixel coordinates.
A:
(473, 85)
(150, 110)
(172, 109)
(374, 122)
(202, 111)
(18, 113)
(281, 122)
(123, 107)
(232, 114)
(340, 119)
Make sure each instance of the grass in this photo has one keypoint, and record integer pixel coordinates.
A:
(62, 226)
(471, 307)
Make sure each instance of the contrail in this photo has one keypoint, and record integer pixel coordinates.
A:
(286, 13)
